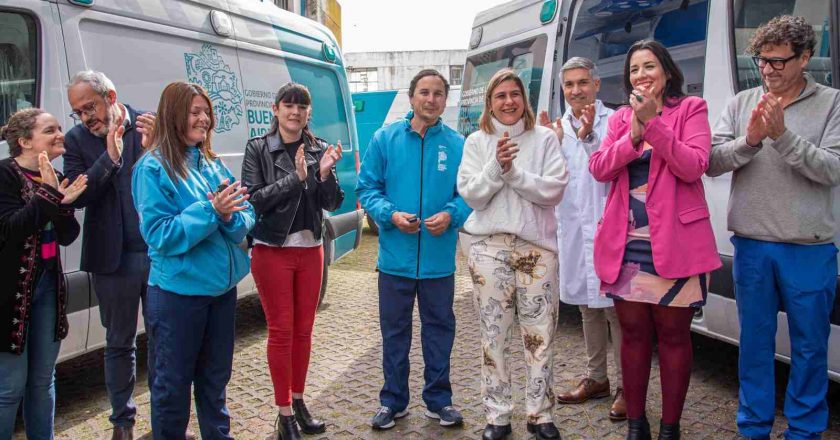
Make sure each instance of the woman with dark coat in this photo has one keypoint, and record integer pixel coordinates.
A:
(291, 179)
(35, 219)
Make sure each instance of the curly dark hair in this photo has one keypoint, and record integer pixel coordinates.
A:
(782, 30)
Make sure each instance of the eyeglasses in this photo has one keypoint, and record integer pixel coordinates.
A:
(88, 110)
(775, 63)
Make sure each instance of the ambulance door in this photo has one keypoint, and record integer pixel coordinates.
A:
(32, 74)
(142, 47)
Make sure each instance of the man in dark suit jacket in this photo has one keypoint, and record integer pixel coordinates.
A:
(105, 146)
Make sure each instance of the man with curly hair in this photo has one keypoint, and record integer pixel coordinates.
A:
(782, 143)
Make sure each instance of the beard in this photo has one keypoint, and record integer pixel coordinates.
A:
(110, 116)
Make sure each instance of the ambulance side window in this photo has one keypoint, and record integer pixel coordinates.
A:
(18, 63)
(750, 14)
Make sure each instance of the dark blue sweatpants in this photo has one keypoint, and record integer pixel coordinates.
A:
(435, 298)
(193, 346)
(803, 279)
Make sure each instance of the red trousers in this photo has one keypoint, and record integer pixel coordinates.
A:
(288, 281)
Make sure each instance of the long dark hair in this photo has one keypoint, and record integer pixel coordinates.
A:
(172, 123)
(292, 93)
(674, 82)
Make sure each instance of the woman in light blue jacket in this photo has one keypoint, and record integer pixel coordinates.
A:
(193, 215)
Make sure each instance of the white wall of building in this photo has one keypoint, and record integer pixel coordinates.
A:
(369, 71)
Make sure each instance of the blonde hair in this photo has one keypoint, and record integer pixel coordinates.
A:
(485, 122)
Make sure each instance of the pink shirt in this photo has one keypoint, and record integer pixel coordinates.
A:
(681, 234)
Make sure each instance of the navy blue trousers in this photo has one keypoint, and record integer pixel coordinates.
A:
(435, 297)
(193, 345)
(803, 279)
(120, 294)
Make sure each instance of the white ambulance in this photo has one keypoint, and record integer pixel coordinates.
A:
(241, 51)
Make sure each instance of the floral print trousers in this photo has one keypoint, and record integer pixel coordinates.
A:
(514, 278)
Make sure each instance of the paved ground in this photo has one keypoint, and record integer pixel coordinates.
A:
(345, 376)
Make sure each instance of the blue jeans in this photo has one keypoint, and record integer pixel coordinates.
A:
(30, 376)
(803, 279)
(192, 345)
(120, 294)
(437, 334)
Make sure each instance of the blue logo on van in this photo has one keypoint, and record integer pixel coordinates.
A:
(208, 69)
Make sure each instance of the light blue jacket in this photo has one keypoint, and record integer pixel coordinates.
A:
(402, 171)
(193, 251)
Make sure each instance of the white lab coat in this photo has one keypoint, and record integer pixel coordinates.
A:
(579, 212)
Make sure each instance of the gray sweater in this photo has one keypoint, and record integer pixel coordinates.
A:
(781, 191)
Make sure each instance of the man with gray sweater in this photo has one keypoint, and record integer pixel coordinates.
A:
(782, 144)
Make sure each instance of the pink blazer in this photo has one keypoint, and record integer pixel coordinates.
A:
(680, 231)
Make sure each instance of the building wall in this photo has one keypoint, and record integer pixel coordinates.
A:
(326, 12)
(370, 71)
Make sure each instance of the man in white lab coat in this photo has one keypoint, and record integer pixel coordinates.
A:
(581, 129)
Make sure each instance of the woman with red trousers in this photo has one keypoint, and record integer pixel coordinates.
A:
(291, 178)
(654, 248)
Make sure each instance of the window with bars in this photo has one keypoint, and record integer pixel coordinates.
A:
(363, 80)
(455, 74)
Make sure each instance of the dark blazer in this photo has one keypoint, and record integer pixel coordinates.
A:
(102, 241)
(269, 174)
(21, 222)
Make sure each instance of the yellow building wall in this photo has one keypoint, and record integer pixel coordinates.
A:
(326, 12)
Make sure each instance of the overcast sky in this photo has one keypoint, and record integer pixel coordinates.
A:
(387, 25)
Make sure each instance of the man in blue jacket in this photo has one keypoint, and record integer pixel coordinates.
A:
(407, 183)
(112, 249)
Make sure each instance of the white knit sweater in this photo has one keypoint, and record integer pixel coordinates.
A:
(520, 202)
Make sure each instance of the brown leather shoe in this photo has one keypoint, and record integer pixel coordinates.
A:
(123, 433)
(586, 389)
(618, 410)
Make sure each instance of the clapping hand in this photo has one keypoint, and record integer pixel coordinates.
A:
(114, 139)
(300, 164)
(328, 160)
(756, 129)
(643, 104)
(506, 152)
(70, 192)
(587, 119)
(145, 126)
(229, 200)
(556, 126)
(773, 115)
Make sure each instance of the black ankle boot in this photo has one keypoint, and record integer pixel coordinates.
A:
(544, 431)
(638, 429)
(669, 431)
(287, 428)
(495, 432)
(307, 423)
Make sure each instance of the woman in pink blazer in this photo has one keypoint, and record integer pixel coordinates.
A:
(654, 247)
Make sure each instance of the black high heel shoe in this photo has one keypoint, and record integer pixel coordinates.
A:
(307, 423)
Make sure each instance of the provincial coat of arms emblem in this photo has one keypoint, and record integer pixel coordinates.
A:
(208, 69)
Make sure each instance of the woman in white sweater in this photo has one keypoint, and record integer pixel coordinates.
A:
(513, 174)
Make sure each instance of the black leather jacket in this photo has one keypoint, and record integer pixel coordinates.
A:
(269, 174)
